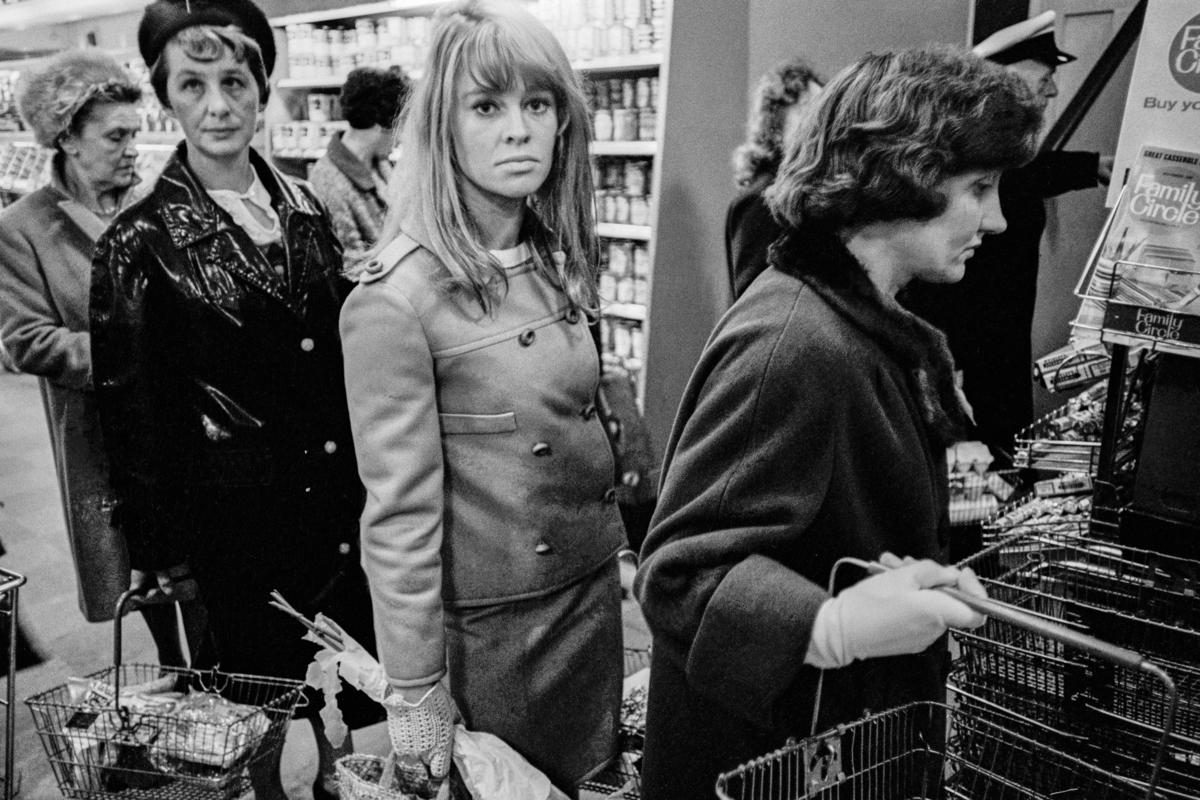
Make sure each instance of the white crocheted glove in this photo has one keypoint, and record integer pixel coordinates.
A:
(424, 729)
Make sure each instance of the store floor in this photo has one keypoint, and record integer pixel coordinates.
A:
(32, 532)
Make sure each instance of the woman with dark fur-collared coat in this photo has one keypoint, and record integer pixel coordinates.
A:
(814, 428)
(218, 368)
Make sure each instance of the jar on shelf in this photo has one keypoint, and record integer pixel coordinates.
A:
(639, 210)
(635, 177)
(603, 122)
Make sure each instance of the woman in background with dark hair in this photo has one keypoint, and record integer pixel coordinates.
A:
(352, 176)
(814, 429)
(218, 368)
(780, 99)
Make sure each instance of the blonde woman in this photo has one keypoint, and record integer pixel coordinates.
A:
(491, 527)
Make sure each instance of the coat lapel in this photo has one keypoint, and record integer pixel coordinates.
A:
(196, 224)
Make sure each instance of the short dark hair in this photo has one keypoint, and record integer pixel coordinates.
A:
(209, 43)
(372, 96)
(889, 128)
(782, 87)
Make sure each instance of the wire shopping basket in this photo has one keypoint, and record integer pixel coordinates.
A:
(928, 751)
(10, 584)
(197, 740)
(621, 778)
(1105, 713)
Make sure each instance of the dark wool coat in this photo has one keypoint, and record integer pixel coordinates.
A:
(988, 315)
(813, 428)
(218, 371)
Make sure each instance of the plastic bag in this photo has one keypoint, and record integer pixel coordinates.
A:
(494, 771)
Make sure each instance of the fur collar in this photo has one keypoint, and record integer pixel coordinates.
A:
(820, 259)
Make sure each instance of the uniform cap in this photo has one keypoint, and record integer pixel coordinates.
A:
(1030, 39)
(165, 18)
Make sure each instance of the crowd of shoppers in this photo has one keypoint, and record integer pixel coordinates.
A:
(378, 395)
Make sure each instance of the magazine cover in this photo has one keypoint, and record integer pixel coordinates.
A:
(1148, 253)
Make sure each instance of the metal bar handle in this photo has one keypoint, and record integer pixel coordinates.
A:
(131, 599)
(1090, 644)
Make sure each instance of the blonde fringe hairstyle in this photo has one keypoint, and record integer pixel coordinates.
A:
(497, 45)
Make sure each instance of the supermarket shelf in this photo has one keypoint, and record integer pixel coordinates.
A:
(334, 82)
(633, 311)
(360, 10)
(620, 63)
(625, 148)
(25, 138)
(611, 230)
(18, 16)
(328, 82)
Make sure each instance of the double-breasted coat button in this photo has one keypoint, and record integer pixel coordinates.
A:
(279, 270)
(307, 344)
(588, 411)
(610, 496)
(541, 548)
(344, 548)
(541, 449)
(526, 338)
(374, 265)
(331, 447)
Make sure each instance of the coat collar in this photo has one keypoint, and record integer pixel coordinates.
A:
(191, 215)
(88, 221)
(350, 165)
(818, 258)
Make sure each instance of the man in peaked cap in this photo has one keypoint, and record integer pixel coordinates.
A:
(988, 316)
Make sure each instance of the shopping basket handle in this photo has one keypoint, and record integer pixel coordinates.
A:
(131, 600)
(1090, 644)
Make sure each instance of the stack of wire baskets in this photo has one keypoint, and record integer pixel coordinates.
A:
(1105, 714)
(1034, 714)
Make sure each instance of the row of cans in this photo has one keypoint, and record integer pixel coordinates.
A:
(625, 340)
(628, 176)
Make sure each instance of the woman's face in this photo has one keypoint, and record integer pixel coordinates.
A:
(937, 250)
(103, 152)
(215, 102)
(504, 141)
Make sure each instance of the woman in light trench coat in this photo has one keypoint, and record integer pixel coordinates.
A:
(491, 526)
(83, 106)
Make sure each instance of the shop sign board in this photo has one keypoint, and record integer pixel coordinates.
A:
(1164, 91)
(1161, 329)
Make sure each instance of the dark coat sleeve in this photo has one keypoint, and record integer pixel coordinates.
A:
(746, 473)
(1057, 171)
(135, 414)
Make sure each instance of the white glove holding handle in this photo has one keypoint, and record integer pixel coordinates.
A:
(895, 612)
(421, 724)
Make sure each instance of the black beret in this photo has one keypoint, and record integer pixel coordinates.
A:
(165, 18)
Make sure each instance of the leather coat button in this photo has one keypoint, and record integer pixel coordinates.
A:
(541, 449)
(526, 338)
(344, 548)
(541, 548)
(307, 344)
(331, 447)
(610, 496)
(572, 316)
(588, 411)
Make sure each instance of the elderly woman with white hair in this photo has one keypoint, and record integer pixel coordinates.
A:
(83, 106)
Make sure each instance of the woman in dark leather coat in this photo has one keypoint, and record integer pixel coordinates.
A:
(214, 314)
